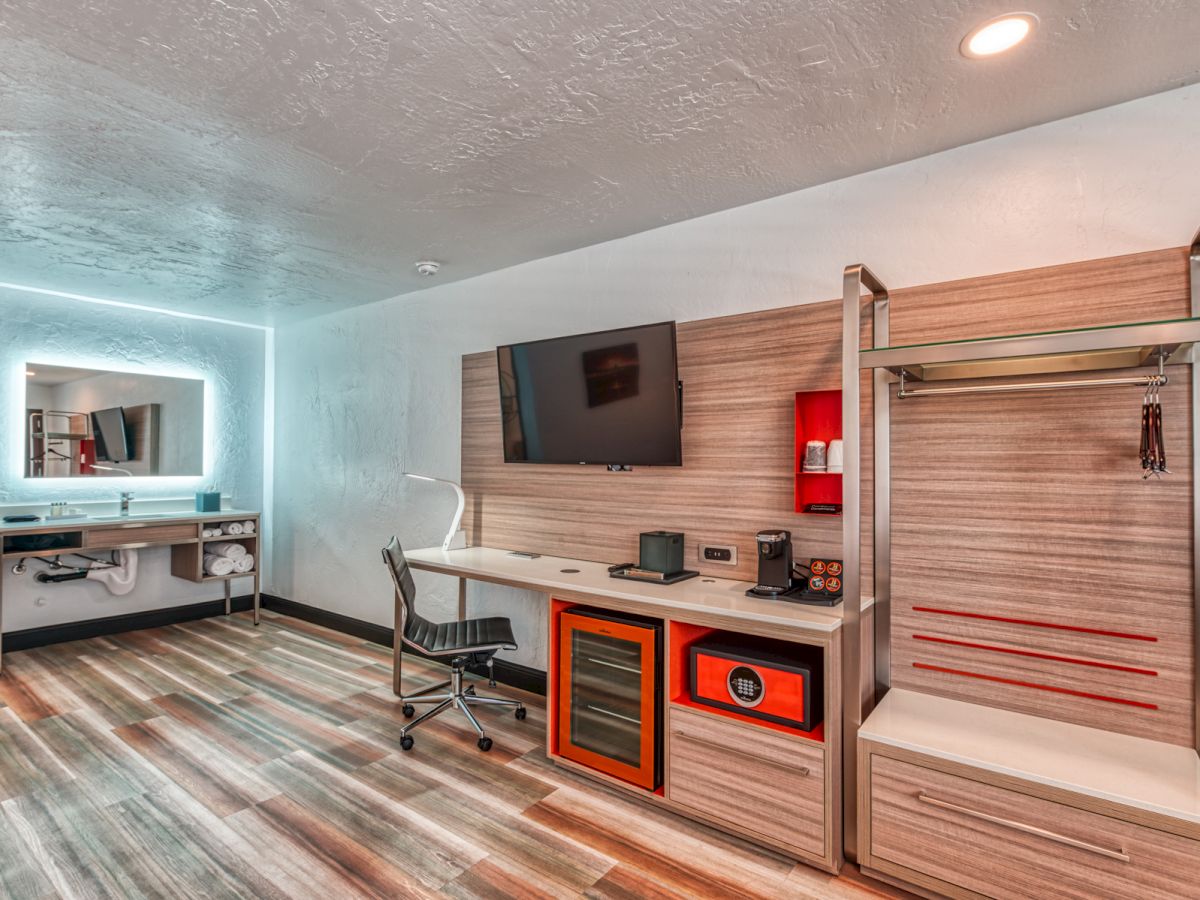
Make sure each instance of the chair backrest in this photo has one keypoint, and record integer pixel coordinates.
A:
(393, 557)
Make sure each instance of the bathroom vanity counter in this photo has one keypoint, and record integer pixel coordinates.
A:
(182, 531)
(48, 524)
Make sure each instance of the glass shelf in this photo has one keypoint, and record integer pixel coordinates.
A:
(1049, 352)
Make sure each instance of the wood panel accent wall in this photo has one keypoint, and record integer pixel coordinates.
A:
(1030, 509)
(740, 375)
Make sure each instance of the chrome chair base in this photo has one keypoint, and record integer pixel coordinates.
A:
(457, 697)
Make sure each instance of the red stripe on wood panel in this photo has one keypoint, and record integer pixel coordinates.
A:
(1074, 660)
(1036, 686)
(1036, 624)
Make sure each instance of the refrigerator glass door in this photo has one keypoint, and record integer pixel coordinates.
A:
(606, 696)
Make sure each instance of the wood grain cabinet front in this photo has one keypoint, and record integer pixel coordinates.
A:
(137, 533)
(751, 777)
(967, 838)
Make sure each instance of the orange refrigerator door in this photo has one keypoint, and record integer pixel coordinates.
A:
(608, 697)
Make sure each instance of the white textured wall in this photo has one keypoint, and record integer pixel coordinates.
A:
(363, 394)
(230, 359)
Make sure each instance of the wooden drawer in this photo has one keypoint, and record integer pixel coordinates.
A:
(748, 776)
(140, 533)
(986, 840)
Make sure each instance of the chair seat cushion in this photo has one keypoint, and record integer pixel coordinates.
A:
(464, 636)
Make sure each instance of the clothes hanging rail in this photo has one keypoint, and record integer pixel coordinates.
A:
(1159, 380)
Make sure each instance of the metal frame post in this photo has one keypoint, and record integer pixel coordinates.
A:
(1194, 284)
(854, 280)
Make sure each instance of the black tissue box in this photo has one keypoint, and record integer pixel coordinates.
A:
(661, 551)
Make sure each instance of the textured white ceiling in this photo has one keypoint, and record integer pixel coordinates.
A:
(267, 160)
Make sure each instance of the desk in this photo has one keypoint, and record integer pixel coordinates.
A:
(778, 788)
(182, 532)
(716, 596)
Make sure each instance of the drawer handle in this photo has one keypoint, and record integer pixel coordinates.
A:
(615, 715)
(613, 665)
(1021, 826)
(802, 770)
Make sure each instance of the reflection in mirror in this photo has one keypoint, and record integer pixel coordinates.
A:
(91, 423)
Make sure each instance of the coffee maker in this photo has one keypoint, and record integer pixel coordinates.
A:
(775, 576)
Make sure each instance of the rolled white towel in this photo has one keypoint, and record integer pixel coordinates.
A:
(217, 565)
(231, 528)
(212, 532)
(225, 548)
(248, 527)
(244, 564)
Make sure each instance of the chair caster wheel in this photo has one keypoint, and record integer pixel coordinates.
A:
(408, 709)
(520, 714)
(406, 743)
(485, 744)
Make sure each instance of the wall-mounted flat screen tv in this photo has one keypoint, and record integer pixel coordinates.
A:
(112, 435)
(609, 398)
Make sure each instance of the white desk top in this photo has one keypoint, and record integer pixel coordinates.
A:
(1148, 775)
(702, 594)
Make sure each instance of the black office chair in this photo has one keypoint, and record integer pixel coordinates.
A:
(469, 642)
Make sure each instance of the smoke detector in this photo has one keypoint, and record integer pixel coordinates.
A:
(428, 268)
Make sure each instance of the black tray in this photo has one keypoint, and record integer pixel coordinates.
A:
(670, 579)
(814, 599)
(799, 595)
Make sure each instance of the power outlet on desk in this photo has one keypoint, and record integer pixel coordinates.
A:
(718, 554)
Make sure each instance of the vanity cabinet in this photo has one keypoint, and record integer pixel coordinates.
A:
(139, 534)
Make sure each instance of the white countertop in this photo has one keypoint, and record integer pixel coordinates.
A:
(166, 517)
(702, 594)
(1148, 775)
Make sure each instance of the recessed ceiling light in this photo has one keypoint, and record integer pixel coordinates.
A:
(428, 267)
(30, 372)
(998, 34)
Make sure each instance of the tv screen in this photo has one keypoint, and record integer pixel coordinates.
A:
(609, 397)
(112, 435)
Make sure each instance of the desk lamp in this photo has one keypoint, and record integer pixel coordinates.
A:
(455, 538)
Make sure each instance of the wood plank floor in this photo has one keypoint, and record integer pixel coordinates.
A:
(215, 759)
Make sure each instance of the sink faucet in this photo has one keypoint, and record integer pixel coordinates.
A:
(126, 496)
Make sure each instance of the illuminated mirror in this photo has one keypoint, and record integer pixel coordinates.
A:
(90, 423)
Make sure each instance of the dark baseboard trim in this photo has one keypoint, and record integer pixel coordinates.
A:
(377, 634)
(31, 638)
(513, 674)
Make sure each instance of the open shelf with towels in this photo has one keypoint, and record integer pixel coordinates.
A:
(187, 560)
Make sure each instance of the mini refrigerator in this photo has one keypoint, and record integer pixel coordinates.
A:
(610, 694)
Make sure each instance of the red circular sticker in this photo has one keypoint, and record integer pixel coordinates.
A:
(833, 585)
(818, 567)
(816, 583)
(835, 568)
